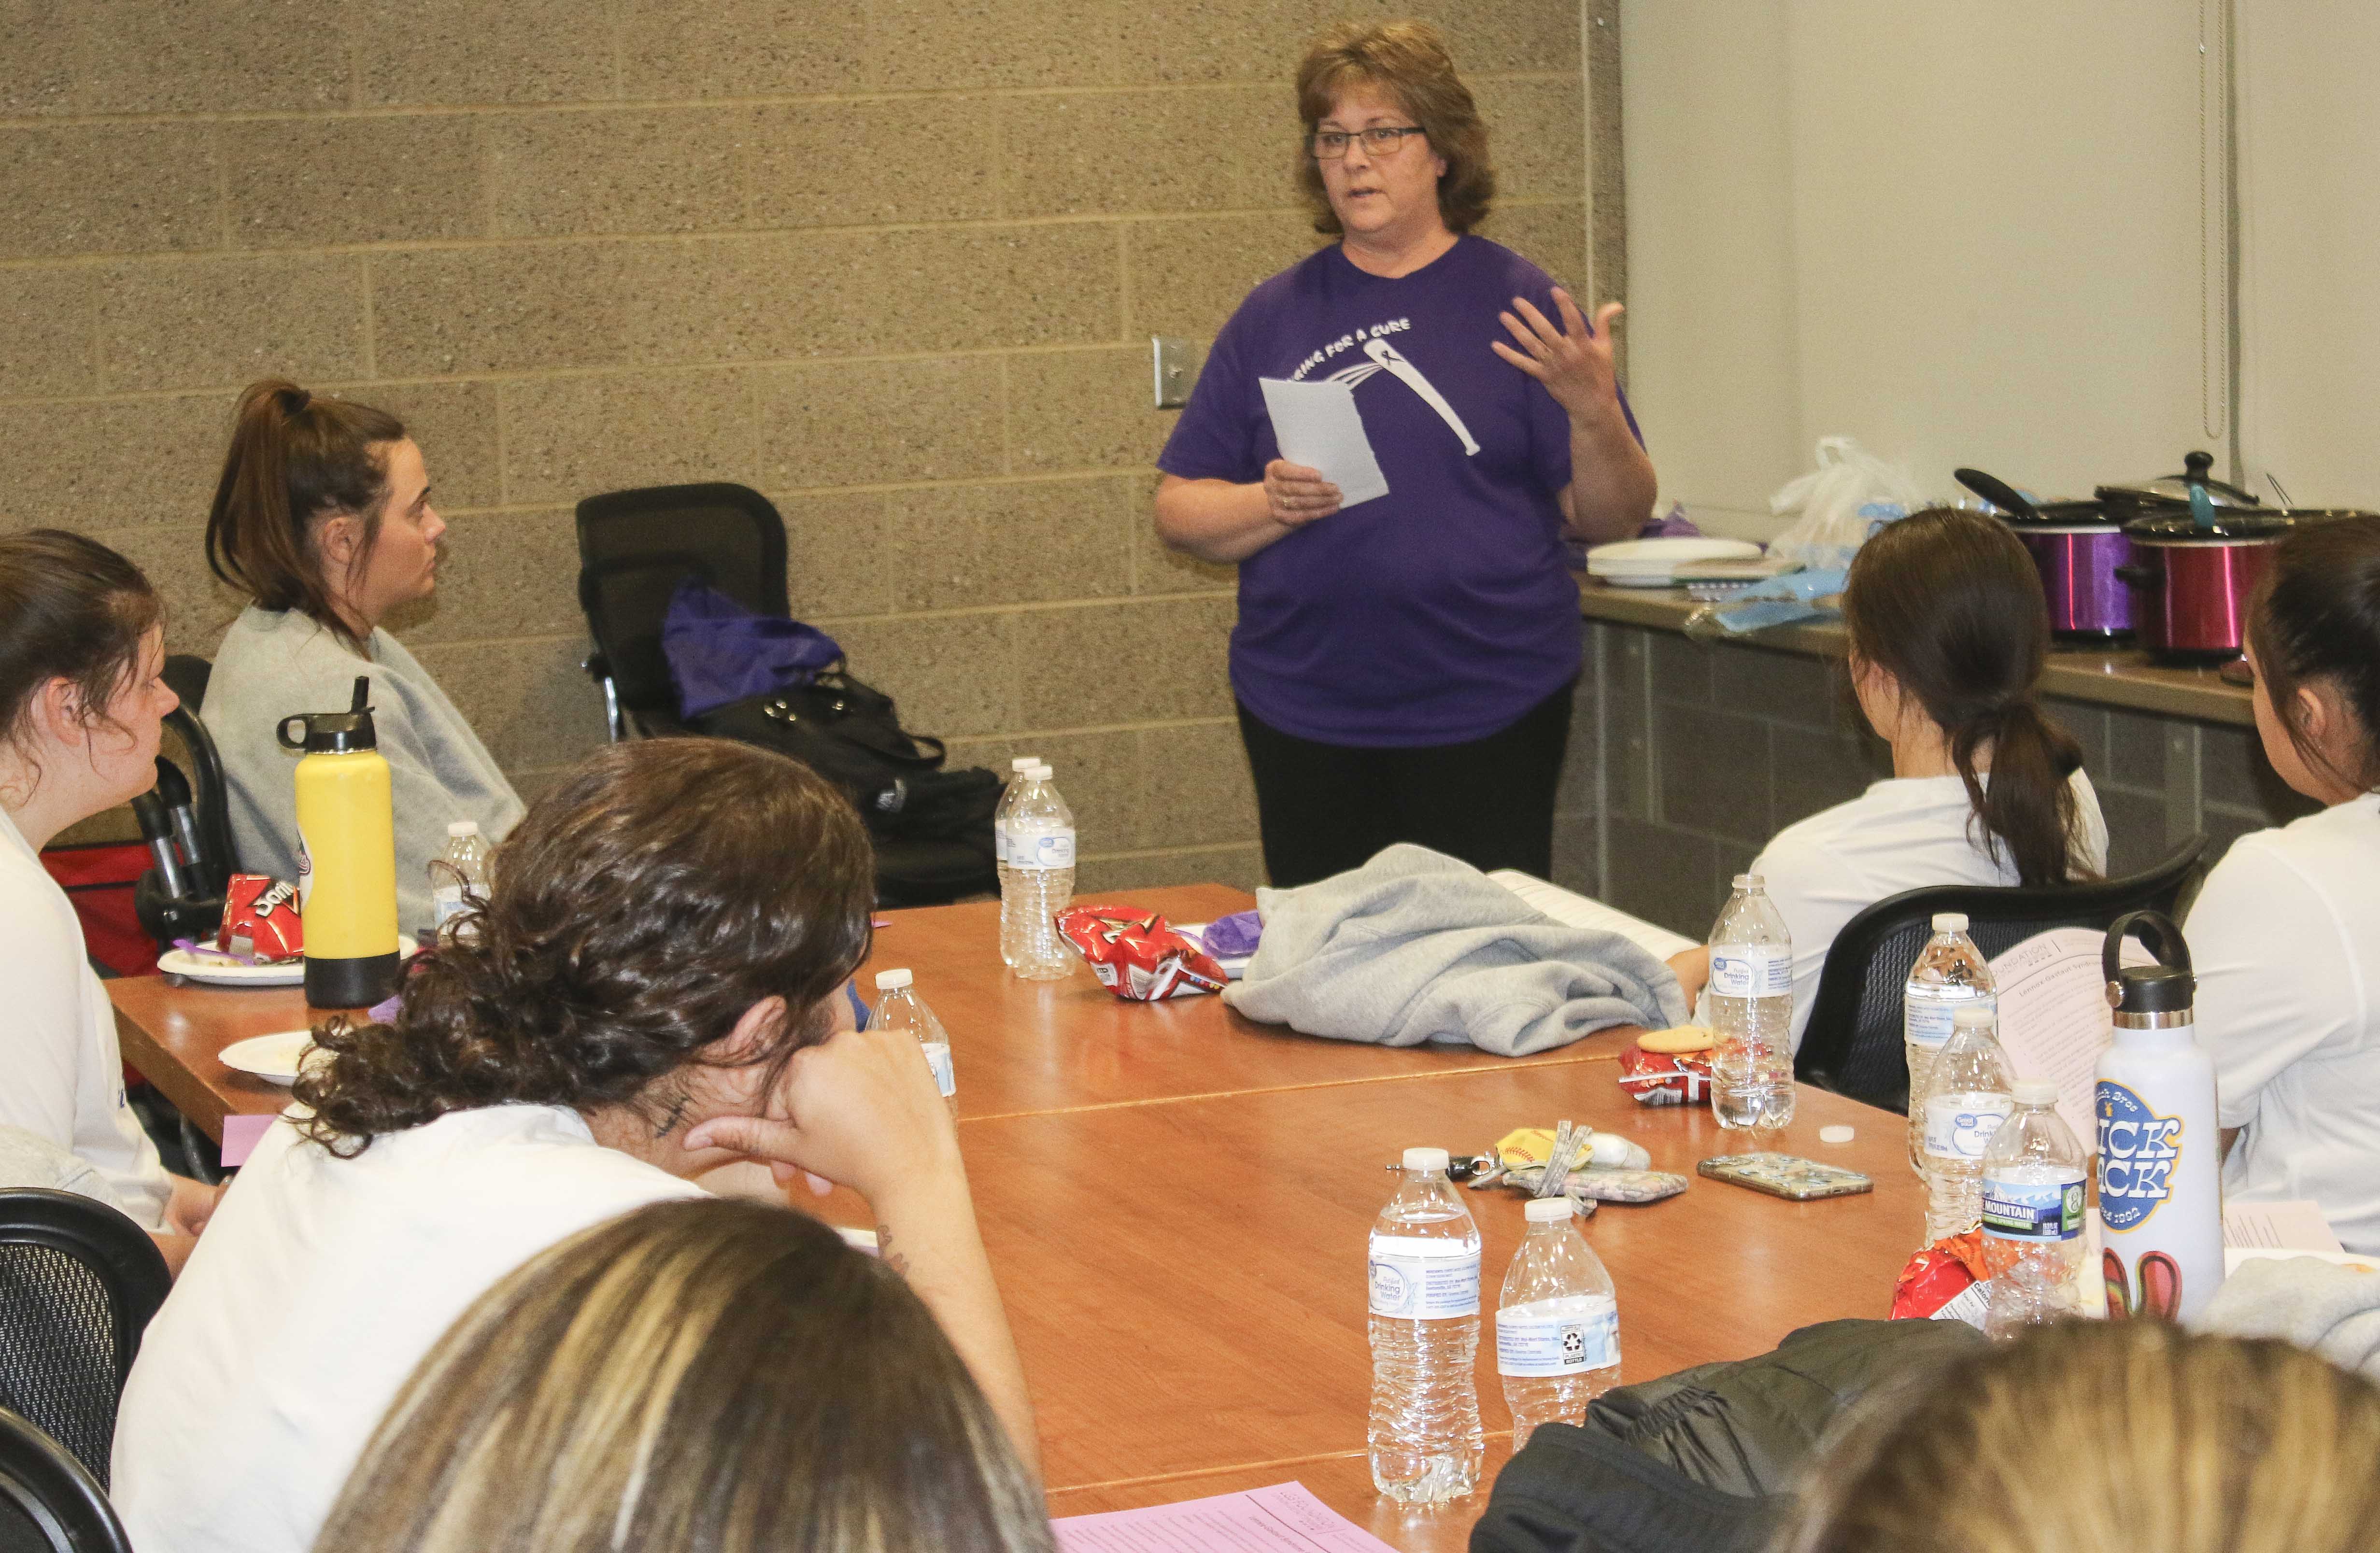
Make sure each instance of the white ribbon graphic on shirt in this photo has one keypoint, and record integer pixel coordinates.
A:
(1385, 358)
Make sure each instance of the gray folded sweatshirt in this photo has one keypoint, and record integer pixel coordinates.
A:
(2333, 1310)
(1416, 946)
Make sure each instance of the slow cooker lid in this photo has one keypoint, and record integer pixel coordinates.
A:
(2232, 523)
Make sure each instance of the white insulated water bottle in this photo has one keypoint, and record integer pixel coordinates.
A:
(2160, 1179)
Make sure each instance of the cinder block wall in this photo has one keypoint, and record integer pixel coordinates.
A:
(894, 263)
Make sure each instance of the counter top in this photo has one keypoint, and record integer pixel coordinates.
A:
(2125, 678)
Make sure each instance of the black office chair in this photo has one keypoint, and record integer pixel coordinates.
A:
(48, 1503)
(185, 820)
(79, 1282)
(1852, 1044)
(635, 547)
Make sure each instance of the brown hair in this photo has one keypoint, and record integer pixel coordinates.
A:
(1950, 605)
(2316, 618)
(722, 1375)
(644, 902)
(2114, 1436)
(295, 457)
(70, 609)
(1409, 61)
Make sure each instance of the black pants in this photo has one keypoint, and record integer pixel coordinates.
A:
(1324, 808)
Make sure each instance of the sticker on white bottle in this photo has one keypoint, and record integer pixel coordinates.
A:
(1960, 1126)
(1046, 849)
(1751, 970)
(1558, 1337)
(1424, 1279)
(999, 838)
(938, 1057)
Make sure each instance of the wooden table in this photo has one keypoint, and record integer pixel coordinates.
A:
(1176, 1202)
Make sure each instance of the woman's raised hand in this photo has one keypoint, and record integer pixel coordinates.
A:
(1297, 494)
(1572, 361)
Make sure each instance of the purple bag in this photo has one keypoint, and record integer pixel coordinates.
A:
(720, 652)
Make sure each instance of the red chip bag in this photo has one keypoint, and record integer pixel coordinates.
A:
(261, 919)
(1938, 1275)
(1137, 957)
(1657, 1078)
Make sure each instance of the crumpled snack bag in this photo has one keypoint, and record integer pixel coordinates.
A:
(1668, 1067)
(1137, 956)
(261, 919)
(1938, 1275)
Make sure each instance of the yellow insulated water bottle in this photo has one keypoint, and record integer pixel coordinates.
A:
(347, 857)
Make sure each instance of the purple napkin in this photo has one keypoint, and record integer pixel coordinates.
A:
(1232, 937)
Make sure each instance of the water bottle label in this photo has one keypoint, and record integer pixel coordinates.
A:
(1045, 849)
(2050, 1210)
(999, 838)
(448, 900)
(1424, 1279)
(1960, 1126)
(1751, 970)
(2139, 1152)
(938, 1057)
(1558, 1337)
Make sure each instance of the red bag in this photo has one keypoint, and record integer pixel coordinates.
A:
(1938, 1275)
(1657, 1078)
(261, 919)
(1137, 957)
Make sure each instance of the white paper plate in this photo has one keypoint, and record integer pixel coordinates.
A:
(1654, 563)
(274, 1058)
(231, 972)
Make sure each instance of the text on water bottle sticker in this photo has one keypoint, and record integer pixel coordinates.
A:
(938, 1057)
(1738, 970)
(2138, 1151)
(1045, 849)
(1928, 1024)
(2032, 1209)
(1558, 1337)
(1960, 1126)
(1425, 1280)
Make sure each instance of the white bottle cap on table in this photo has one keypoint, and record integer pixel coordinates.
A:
(1970, 1016)
(464, 828)
(1837, 1134)
(1949, 921)
(1546, 1210)
(892, 980)
(1426, 1160)
(2033, 1092)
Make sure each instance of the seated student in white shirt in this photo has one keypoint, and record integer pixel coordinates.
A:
(630, 1389)
(2284, 937)
(82, 648)
(1948, 631)
(652, 989)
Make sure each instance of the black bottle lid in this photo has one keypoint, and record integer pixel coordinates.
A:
(2140, 991)
(334, 733)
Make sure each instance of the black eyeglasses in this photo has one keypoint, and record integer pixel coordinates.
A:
(1380, 139)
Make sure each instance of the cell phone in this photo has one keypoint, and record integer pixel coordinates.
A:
(1786, 1175)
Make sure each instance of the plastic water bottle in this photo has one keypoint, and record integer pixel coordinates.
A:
(1040, 876)
(1968, 1096)
(2032, 1213)
(459, 869)
(900, 1008)
(1557, 1325)
(1950, 973)
(1752, 1012)
(1427, 1445)
(1008, 796)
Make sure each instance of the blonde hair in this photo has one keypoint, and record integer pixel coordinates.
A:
(2106, 1437)
(1409, 62)
(709, 1375)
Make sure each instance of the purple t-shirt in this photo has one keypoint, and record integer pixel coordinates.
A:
(1444, 610)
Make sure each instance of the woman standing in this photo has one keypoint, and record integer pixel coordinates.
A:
(323, 518)
(1404, 666)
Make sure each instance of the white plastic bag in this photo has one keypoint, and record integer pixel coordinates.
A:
(1836, 506)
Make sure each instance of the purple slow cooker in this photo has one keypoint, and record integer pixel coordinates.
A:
(2076, 547)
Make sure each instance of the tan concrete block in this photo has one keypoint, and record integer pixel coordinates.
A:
(93, 466)
(202, 322)
(966, 288)
(556, 174)
(1187, 275)
(1081, 409)
(1159, 661)
(1014, 543)
(207, 56)
(873, 422)
(570, 438)
(1536, 137)
(352, 180)
(48, 327)
(1111, 152)
(1098, 774)
(1551, 237)
(455, 425)
(1260, 40)
(842, 556)
(953, 45)
(37, 70)
(502, 575)
(953, 674)
(1198, 790)
(199, 608)
(740, 48)
(454, 51)
(108, 188)
(1489, 35)
(527, 698)
(1242, 868)
(848, 164)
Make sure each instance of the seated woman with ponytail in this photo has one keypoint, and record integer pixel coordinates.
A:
(1948, 633)
(322, 519)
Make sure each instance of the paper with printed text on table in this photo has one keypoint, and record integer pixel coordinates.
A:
(2054, 1019)
(1318, 425)
(1285, 1518)
(1574, 910)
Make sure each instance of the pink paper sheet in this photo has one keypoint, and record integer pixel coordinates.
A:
(1284, 1518)
(241, 1134)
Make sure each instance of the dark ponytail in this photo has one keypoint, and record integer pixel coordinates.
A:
(1948, 604)
(2317, 618)
(295, 457)
(70, 609)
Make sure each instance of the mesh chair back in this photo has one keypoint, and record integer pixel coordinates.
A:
(193, 749)
(79, 1282)
(1852, 1044)
(634, 548)
(48, 1503)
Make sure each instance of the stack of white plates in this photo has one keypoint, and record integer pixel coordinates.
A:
(1655, 562)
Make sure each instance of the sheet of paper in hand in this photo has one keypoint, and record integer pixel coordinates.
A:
(1318, 425)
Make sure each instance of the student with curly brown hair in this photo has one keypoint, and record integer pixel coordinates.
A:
(652, 992)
